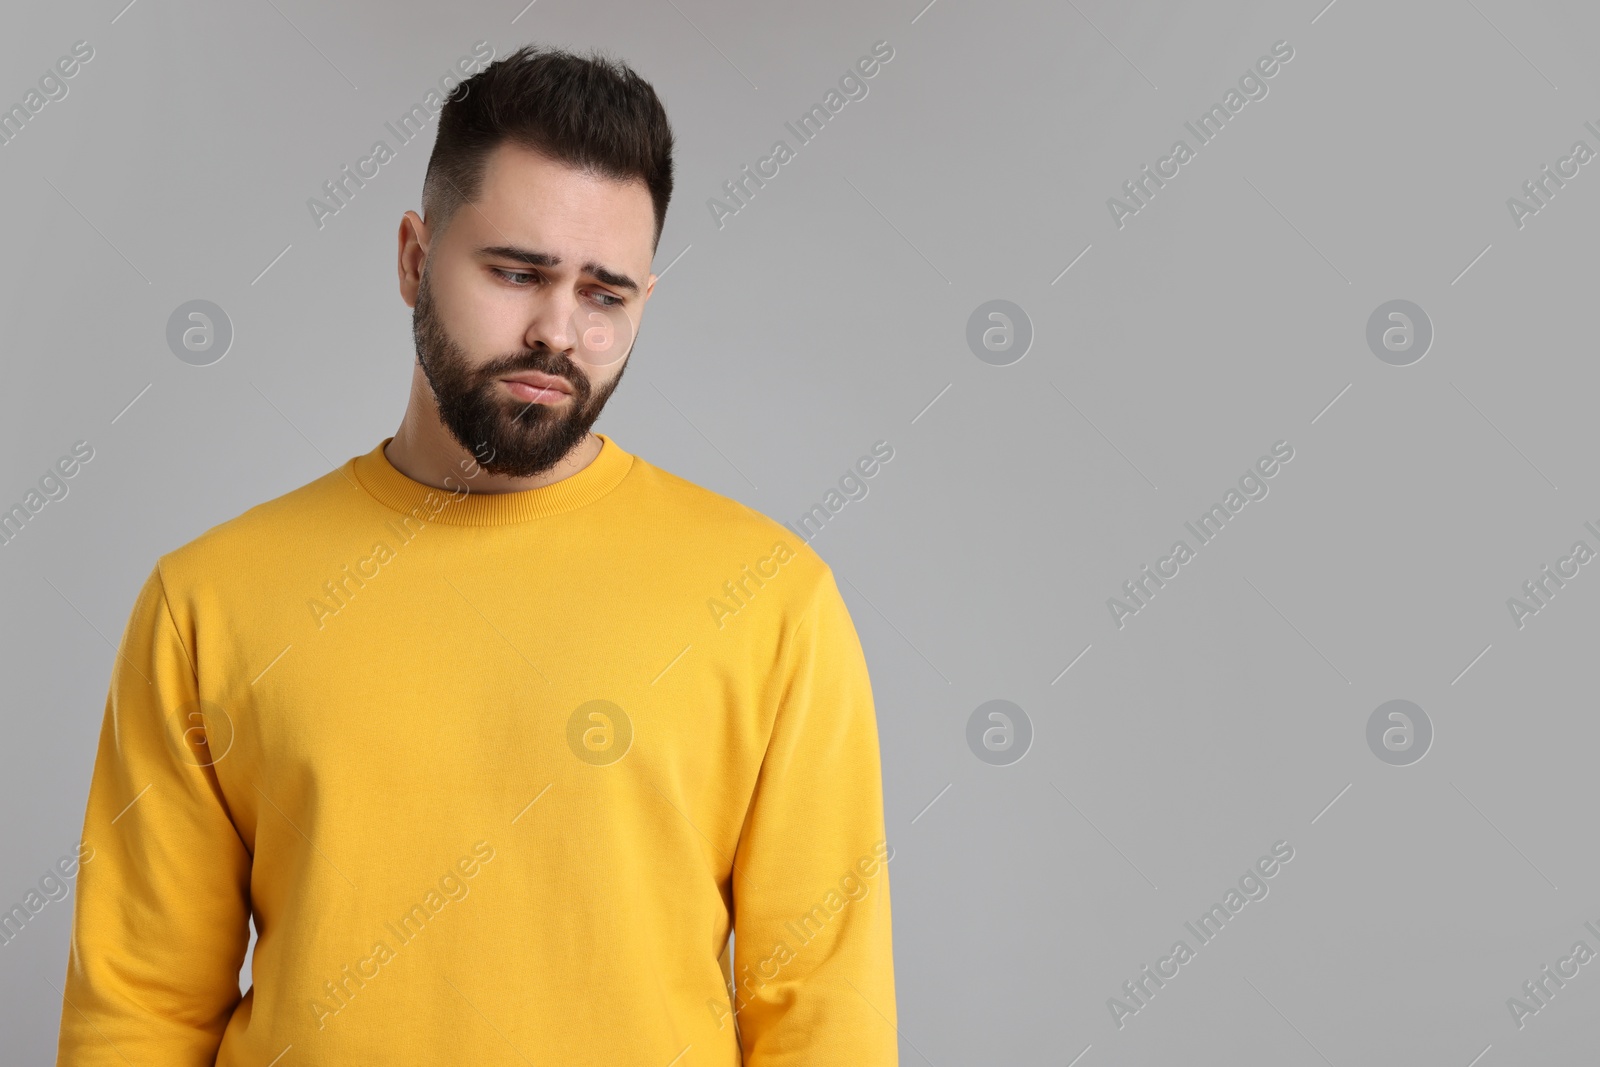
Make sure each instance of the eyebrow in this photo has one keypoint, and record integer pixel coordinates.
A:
(545, 259)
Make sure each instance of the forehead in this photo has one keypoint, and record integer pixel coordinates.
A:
(530, 200)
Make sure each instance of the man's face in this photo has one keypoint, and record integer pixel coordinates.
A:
(546, 274)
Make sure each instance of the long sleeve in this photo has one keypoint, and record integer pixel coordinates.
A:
(814, 961)
(160, 923)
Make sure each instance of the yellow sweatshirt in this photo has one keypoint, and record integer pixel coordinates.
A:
(495, 775)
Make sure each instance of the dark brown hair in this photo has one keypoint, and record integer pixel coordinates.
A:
(590, 112)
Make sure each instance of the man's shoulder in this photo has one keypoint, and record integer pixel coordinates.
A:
(702, 518)
(249, 541)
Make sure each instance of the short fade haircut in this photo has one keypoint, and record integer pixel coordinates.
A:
(590, 112)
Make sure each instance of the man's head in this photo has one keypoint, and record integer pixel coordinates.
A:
(543, 204)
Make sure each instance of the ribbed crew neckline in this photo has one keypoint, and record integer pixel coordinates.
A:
(388, 486)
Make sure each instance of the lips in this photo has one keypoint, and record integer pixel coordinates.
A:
(539, 381)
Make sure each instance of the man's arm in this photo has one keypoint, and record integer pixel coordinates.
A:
(160, 924)
(813, 958)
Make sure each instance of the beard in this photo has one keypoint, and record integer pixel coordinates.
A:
(517, 439)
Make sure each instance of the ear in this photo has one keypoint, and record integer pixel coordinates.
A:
(412, 255)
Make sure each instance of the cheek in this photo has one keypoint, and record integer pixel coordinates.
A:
(478, 317)
(487, 325)
(602, 344)
(604, 338)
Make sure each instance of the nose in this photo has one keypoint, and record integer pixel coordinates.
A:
(552, 323)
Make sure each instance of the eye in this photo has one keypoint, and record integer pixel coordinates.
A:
(605, 300)
(508, 275)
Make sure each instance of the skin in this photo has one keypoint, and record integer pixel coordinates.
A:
(536, 317)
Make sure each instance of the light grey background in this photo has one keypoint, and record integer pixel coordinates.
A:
(831, 313)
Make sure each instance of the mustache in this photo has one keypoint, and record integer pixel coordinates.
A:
(543, 362)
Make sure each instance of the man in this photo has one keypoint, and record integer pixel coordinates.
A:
(497, 731)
